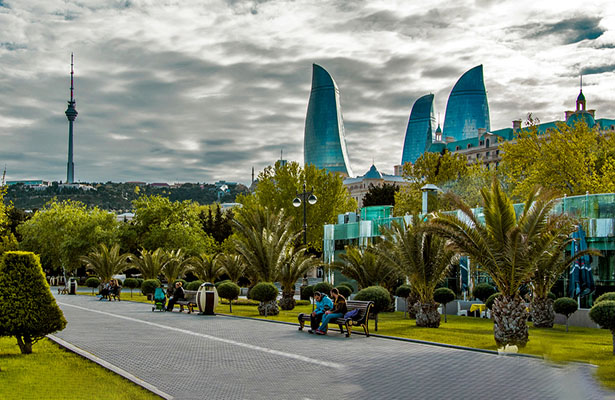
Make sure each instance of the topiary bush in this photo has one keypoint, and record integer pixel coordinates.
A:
(266, 293)
(230, 291)
(551, 296)
(603, 313)
(221, 282)
(403, 291)
(92, 283)
(348, 285)
(140, 282)
(307, 292)
(491, 299)
(28, 310)
(344, 291)
(443, 296)
(377, 294)
(610, 296)
(131, 283)
(565, 306)
(194, 285)
(148, 287)
(323, 287)
(482, 291)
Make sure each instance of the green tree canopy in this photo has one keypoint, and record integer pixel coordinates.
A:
(63, 231)
(106, 262)
(278, 186)
(380, 195)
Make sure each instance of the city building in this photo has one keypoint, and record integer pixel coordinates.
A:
(419, 133)
(324, 141)
(359, 186)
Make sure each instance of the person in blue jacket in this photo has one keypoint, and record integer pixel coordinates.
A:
(323, 304)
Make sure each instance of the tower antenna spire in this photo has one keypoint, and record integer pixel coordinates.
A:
(71, 115)
(72, 72)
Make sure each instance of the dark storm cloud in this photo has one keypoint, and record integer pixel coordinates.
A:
(570, 30)
(420, 24)
(598, 69)
(445, 71)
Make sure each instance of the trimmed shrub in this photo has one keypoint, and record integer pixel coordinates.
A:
(92, 283)
(603, 313)
(344, 291)
(28, 310)
(348, 285)
(140, 282)
(323, 287)
(443, 295)
(242, 302)
(551, 296)
(482, 291)
(303, 303)
(565, 306)
(194, 285)
(131, 283)
(148, 287)
(610, 296)
(307, 292)
(221, 282)
(264, 292)
(377, 294)
(230, 291)
(403, 291)
(491, 299)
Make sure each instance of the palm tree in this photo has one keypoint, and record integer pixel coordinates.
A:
(424, 259)
(296, 264)
(504, 247)
(365, 267)
(232, 265)
(206, 267)
(106, 262)
(549, 267)
(175, 266)
(150, 263)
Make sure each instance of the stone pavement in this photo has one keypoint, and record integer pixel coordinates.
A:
(218, 357)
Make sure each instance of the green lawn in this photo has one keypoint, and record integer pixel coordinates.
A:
(53, 373)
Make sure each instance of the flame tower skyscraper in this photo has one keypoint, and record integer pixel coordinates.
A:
(71, 114)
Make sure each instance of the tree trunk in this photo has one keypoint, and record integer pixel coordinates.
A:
(444, 309)
(287, 302)
(427, 315)
(268, 308)
(510, 321)
(542, 313)
(410, 302)
(613, 334)
(25, 344)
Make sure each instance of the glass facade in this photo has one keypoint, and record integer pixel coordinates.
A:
(420, 127)
(324, 142)
(467, 109)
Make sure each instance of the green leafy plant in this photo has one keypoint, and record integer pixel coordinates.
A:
(491, 299)
(565, 306)
(443, 296)
(603, 313)
(348, 285)
(230, 291)
(482, 291)
(92, 283)
(605, 296)
(323, 287)
(377, 294)
(131, 283)
(194, 285)
(344, 291)
(266, 293)
(148, 287)
(307, 292)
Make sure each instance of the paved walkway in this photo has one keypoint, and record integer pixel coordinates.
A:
(218, 357)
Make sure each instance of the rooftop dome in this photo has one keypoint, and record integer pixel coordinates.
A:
(581, 116)
(373, 173)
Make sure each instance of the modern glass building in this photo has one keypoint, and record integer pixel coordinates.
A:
(419, 133)
(324, 143)
(467, 109)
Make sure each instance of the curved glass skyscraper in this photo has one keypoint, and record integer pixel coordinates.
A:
(324, 143)
(420, 129)
(467, 109)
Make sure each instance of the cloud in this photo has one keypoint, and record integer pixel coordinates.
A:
(598, 69)
(571, 30)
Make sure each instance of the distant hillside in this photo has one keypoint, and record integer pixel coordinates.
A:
(118, 196)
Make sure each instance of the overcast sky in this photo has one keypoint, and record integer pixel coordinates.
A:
(198, 91)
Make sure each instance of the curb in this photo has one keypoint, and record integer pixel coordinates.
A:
(117, 370)
(401, 339)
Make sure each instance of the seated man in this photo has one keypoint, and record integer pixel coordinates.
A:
(178, 294)
(104, 292)
(323, 304)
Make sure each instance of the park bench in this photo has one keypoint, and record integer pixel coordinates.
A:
(364, 307)
(189, 301)
(116, 295)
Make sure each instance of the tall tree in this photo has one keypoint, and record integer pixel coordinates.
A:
(233, 265)
(176, 265)
(380, 195)
(365, 267)
(206, 267)
(150, 263)
(106, 262)
(296, 263)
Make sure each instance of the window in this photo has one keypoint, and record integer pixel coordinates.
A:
(457, 148)
(487, 143)
(469, 145)
(482, 142)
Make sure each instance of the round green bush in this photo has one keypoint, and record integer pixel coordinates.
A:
(403, 291)
(344, 291)
(348, 285)
(264, 291)
(229, 290)
(551, 296)
(491, 299)
(377, 294)
(482, 291)
(323, 287)
(131, 283)
(605, 296)
(307, 292)
(443, 295)
(92, 282)
(565, 306)
(194, 285)
(140, 282)
(603, 313)
(221, 282)
(149, 286)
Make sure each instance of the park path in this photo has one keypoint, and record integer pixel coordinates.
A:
(219, 357)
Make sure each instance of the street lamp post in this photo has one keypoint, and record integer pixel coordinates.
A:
(303, 198)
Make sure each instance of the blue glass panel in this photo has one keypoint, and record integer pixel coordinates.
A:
(420, 127)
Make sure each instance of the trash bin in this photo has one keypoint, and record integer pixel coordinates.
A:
(72, 286)
(207, 298)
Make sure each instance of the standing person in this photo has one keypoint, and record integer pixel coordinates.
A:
(339, 309)
(178, 294)
(323, 304)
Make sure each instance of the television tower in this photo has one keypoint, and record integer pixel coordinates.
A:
(71, 114)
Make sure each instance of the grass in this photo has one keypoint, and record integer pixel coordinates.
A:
(51, 372)
(586, 345)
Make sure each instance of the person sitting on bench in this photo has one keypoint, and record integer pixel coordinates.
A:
(178, 294)
(339, 309)
(104, 292)
(323, 304)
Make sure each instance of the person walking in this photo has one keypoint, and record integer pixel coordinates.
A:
(323, 304)
(338, 311)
